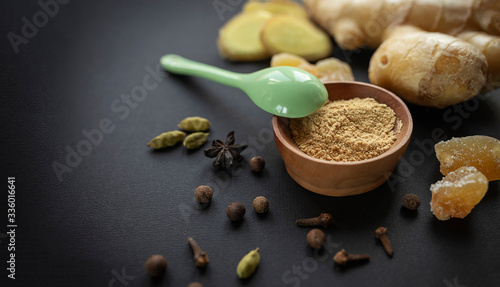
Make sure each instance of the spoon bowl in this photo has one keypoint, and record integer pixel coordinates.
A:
(283, 91)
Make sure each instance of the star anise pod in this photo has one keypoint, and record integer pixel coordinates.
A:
(225, 153)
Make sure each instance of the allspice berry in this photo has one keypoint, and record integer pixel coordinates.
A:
(235, 211)
(195, 284)
(260, 204)
(411, 201)
(203, 194)
(257, 163)
(316, 238)
(156, 265)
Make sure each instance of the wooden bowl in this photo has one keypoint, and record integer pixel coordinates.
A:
(345, 178)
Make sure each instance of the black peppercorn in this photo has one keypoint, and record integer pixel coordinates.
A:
(203, 194)
(156, 265)
(261, 204)
(411, 201)
(257, 163)
(235, 211)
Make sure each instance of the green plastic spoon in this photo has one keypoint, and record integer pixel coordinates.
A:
(283, 91)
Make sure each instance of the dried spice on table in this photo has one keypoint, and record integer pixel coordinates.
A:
(411, 201)
(257, 163)
(166, 139)
(195, 140)
(194, 124)
(260, 204)
(200, 257)
(248, 264)
(342, 257)
(225, 153)
(203, 194)
(324, 219)
(236, 211)
(316, 238)
(156, 265)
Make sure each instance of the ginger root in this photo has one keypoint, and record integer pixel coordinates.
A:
(355, 24)
(490, 46)
(429, 69)
(329, 69)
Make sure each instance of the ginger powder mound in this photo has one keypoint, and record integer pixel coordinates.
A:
(346, 130)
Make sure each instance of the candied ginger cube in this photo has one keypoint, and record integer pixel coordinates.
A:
(458, 192)
(481, 152)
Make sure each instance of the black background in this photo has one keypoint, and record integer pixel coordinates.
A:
(124, 202)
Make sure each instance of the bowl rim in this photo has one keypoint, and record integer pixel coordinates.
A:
(392, 150)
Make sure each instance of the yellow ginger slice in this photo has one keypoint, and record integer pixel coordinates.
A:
(239, 39)
(285, 33)
(458, 192)
(287, 59)
(276, 7)
(481, 152)
(329, 69)
(333, 69)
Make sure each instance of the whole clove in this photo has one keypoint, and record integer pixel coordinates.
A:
(381, 233)
(324, 219)
(342, 257)
(200, 257)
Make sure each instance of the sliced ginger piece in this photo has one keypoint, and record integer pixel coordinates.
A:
(286, 33)
(333, 69)
(287, 59)
(481, 152)
(276, 7)
(458, 192)
(239, 38)
(329, 69)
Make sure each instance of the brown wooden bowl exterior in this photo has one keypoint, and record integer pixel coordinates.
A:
(345, 178)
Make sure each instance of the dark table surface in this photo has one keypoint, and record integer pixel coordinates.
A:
(74, 70)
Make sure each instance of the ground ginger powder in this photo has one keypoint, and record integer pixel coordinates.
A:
(346, 130)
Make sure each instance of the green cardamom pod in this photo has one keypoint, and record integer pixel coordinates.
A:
(194, 124)
(166, 139)
(195, 140)
(248, 264)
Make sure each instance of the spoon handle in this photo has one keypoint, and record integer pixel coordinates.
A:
(179, 65)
